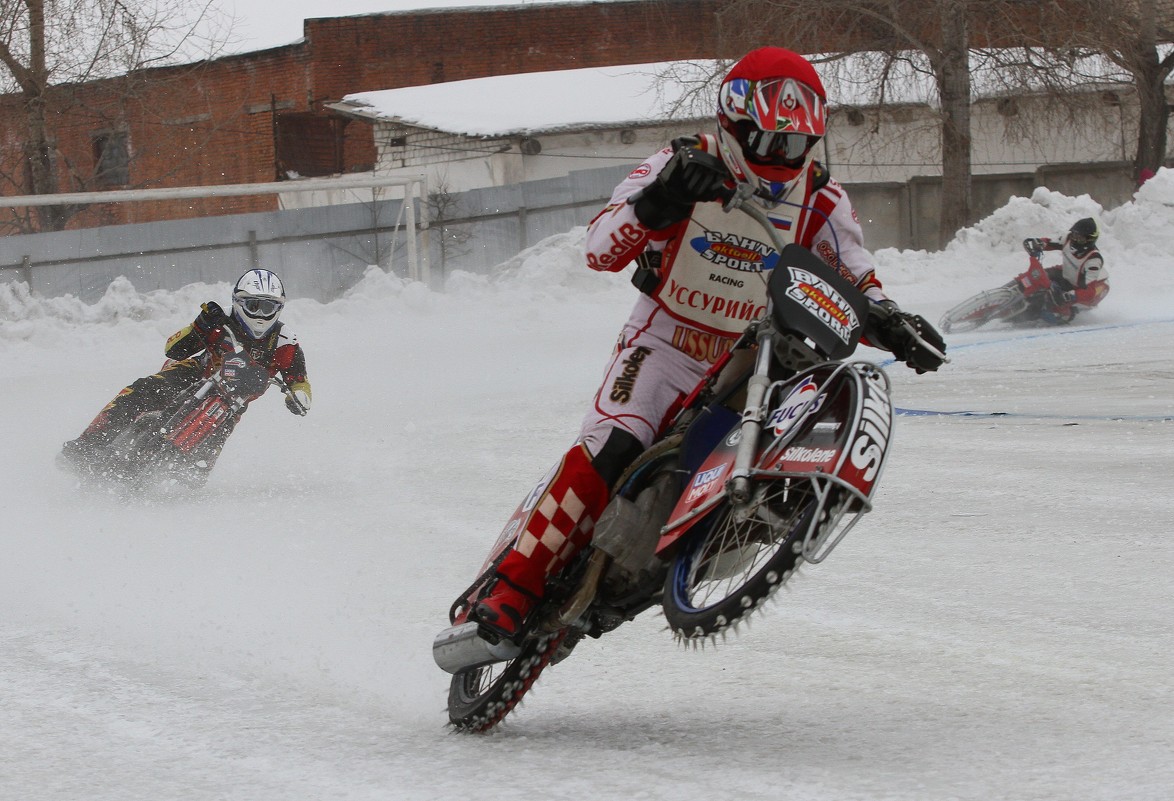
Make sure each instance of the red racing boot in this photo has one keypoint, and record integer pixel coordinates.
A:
(555, 528)
(518, 587)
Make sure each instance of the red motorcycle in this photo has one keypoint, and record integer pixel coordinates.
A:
(176, 447)
(1021, 300)
(772, 460)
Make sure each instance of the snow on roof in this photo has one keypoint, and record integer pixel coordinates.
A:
(538, 102)
(531, 103)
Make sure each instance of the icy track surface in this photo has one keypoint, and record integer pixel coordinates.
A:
(998, 628)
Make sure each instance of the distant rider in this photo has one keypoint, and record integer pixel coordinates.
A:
(196, 351)
(1080, 282)
(700, 272)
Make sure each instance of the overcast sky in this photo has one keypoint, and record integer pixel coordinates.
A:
(270, 23)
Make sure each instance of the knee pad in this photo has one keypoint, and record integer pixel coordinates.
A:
(619, 450)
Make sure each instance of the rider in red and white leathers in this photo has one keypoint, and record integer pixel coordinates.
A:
(196, 351)
(702, 274)
(1079, 282)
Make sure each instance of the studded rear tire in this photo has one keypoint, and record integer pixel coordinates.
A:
(480, 698)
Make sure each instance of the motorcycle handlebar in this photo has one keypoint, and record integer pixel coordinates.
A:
(922, 343)
(274, 380)
(736, 199)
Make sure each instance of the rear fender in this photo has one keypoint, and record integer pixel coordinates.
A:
(459, 612)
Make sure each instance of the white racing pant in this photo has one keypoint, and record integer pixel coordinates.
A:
(645, 379)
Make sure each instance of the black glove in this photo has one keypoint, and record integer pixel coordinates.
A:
(210, 318)
(691, 176)
(298, 401)
(886, 327)
(1033, 245)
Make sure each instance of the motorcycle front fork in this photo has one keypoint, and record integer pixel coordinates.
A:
(753, 414)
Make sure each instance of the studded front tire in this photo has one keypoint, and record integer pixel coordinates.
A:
(737, 559)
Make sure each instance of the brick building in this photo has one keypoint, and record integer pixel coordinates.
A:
(260, 117)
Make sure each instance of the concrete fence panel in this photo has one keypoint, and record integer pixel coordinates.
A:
(322, 251)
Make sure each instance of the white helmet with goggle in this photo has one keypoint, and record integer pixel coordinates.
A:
(257, 301)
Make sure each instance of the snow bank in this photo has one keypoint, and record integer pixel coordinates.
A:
(1136, 239)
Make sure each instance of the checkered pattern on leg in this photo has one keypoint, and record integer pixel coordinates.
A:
(561, 522)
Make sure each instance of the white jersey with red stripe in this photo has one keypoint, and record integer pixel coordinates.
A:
(713, 270)
(714, 264)
(1086, 275)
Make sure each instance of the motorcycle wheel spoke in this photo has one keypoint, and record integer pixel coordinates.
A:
(743, 541)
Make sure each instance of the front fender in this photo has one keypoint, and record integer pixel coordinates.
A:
(831, 422)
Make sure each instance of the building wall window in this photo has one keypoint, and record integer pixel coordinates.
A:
(309, 145)
(111, 158)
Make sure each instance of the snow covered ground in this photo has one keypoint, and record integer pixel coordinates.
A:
(998, 628)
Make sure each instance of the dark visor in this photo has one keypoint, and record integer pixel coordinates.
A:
(774, 147)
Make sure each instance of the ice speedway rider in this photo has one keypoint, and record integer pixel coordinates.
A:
(257, 301)
(1079, 283)
(699, 269)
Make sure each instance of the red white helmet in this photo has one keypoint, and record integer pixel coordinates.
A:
(771, 112)
(257, 301)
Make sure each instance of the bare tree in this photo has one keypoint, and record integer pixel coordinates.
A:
(1130, 34)
(1073, 47)
(47, 46)
(1139, 31)
(932, 37)
(1058, 48)
(443, 208)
